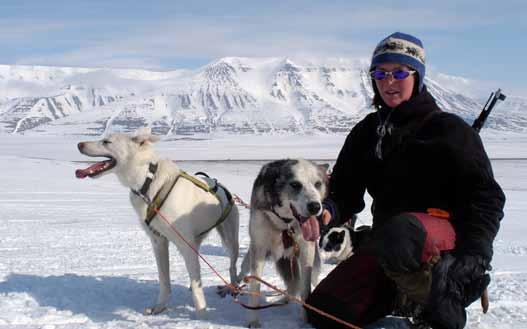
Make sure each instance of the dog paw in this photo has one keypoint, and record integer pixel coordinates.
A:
(277, 299)
(224, 291)
(154, 310)
(202, 314)
(254, 324)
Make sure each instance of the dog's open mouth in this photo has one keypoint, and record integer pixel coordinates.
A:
(298, 217)
(308, 225)
(96, 169)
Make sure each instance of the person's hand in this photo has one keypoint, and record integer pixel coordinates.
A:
(325, 217)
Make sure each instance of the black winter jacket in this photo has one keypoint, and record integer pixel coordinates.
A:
(428, 161)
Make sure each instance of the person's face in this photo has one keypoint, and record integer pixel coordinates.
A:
(393, 92)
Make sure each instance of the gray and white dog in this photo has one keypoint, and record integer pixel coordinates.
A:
(187, 208)
(284, 195)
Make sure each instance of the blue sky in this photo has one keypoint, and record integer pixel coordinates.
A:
(480, 40)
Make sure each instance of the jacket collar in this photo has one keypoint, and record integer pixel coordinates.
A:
(416, 107)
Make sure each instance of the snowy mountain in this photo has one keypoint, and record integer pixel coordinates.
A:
(511, 113)
(231, 95)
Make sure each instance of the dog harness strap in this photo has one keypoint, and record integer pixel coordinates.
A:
(197, 182)
(163, 193)
(152, 168)
(287, 238)
(213, 190)
(226, 208)
(158, 201)
(223, 217)
(142, 193)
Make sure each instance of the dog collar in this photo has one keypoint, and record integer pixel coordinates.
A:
(142, 193)
(284, 219)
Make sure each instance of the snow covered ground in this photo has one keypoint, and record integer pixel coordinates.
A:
(72, 254)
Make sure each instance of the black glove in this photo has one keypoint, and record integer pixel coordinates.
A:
(467, 278)
(457, 281)
(360, 236)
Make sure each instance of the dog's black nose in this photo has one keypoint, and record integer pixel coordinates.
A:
(313, 207)
(80, 146)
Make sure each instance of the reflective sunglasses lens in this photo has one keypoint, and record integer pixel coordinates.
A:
(400, 74)
(378, 75)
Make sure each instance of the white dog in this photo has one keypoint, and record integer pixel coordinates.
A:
(184, 200)
(285, 194)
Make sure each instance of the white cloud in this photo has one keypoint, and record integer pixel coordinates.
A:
(193, 38)
(290, 28)
(323, 30)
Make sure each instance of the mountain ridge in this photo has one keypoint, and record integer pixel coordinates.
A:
(233, 95)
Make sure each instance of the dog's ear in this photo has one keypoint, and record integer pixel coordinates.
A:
(270, 178)
(342, 234)
(326, 174)
(324, 167)
(144, 135)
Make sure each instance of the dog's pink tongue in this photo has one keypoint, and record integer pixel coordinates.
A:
(310, 229)
(83, 173)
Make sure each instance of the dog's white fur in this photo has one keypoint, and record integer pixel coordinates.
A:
(188, 208)
(280, 186)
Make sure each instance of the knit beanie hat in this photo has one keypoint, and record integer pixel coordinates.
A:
(401, 48)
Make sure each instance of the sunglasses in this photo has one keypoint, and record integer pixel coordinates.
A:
(397, 74)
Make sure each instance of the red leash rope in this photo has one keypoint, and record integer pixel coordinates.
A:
(240, 202)
(248, 278)
(237, 290)
(229, 285)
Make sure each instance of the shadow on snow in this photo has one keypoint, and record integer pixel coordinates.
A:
(104, 298)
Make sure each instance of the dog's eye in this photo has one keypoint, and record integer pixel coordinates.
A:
(318, 185)
(296, 185)
(106, 142)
